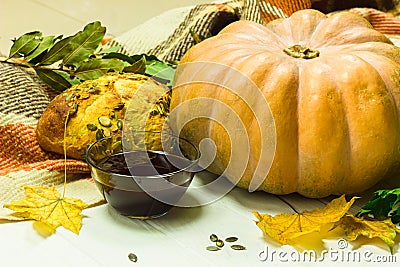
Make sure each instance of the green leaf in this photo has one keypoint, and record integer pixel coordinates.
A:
(382, 204)
(57, 52)
(395, 216)
(77, 48)
(157, 68)
(53, 79)
(84, 43)
(120, 56)
(160, 69)
(137, 67)
(71, 80)
(45, 44)
(96, 67)
(25, 44)
(149, 58)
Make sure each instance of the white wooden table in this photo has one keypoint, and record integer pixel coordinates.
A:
(180, 238)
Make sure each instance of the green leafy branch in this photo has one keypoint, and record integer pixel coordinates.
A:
(384, 204)
(61, 62)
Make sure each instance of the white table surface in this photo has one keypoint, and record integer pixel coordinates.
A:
(179, 238)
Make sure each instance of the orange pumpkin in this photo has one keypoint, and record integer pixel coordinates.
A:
(333, 87)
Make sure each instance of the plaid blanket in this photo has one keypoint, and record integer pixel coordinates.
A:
(23, 97)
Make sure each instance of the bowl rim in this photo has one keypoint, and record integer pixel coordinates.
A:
(91, 163)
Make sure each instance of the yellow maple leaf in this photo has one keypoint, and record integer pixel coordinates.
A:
(46, 205)
(284, 228)
(355, 227)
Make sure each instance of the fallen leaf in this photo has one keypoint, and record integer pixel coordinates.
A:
(284, 228)
(355, 227)
(47, 206)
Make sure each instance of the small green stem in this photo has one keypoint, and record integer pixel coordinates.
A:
(15, 63)
(6, 61)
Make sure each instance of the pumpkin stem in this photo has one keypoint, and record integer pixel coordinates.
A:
(299, 51)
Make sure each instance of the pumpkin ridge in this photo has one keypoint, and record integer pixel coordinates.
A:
(244, 27)
(347, 169)
(314, 141)
(360, 181)
(335, 31)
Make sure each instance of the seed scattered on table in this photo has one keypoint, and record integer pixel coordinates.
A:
(212, 248)
(238, 247)
(213, 238)
(132, 257)
(231, 239)
(219, 243)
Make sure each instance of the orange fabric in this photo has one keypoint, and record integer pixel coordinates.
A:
(20, 151)
(381, 21)
(273, 9)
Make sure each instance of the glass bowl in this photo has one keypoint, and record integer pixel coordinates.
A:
(142, 174)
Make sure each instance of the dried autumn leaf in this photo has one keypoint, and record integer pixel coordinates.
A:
(47, 206)
(284, 228)
(355, 227)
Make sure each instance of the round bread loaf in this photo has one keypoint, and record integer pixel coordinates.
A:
(97, 108)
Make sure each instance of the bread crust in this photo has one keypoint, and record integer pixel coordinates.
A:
(112, 96)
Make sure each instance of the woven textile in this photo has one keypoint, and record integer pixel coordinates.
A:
(205, 20)
(263, 11)
(202, 20)
(381, 21)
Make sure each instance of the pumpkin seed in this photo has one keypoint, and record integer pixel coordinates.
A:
(238, 247)
(231, 239)
(69, 96)
(119, 106)
(116, 146)
(219, 243)
(212, 248)
(132, 257)
(112, 115)
(83, 96)
(99, 134)
(104, 121)
(214, 238)
(91, 127)
(119, 124)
